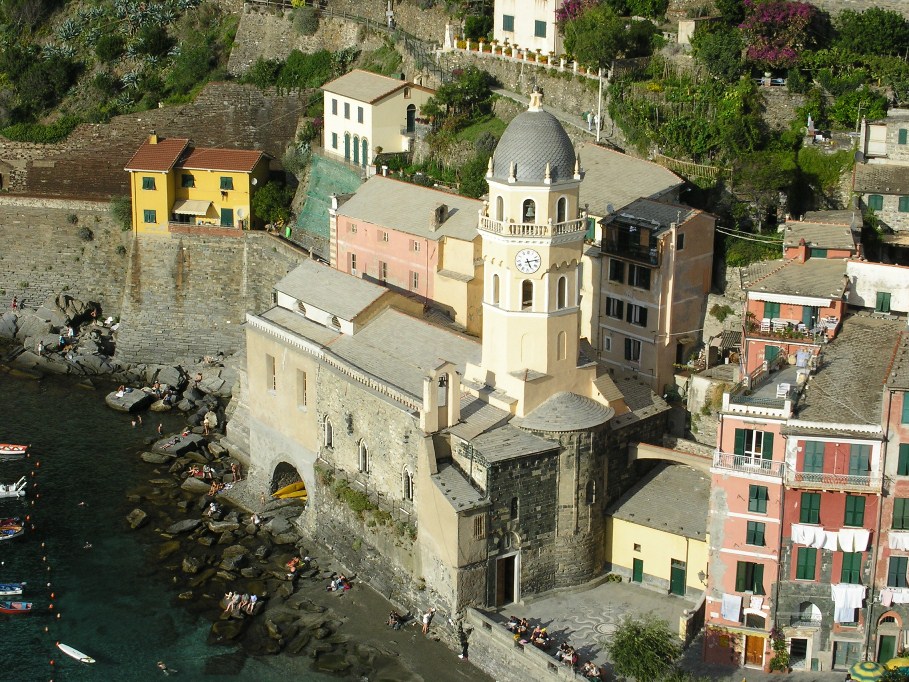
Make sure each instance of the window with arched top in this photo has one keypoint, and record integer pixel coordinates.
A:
(590, 494)
(515, 508)
(329, 433)
(562, 210)
(562, 346)
(529, 211)
(500, 208)
(356, 150)
(526, 295)
(495, 289)
(364, 458)
(562, 293)
(407, 480)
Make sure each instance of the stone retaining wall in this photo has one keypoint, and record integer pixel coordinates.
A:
(187, 295)
(493, 650)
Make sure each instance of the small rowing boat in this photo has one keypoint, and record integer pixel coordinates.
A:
(75, 653)
(16, 489)
(15, 606)
(12, 532)
(12, 451)
(286, 490)
(11, 589)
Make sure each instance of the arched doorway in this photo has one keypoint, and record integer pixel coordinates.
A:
(411, 118)
(365, 146)
(287, 484)
(356, 150)
(347, 146)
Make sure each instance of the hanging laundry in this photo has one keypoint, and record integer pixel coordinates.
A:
(820, 537)
(886, 597)
(898, 539)
(847, 539)
(732, 607)
(831, 542)
(862, 535)
(846, 599)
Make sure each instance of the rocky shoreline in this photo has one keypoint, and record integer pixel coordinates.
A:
(246, 550)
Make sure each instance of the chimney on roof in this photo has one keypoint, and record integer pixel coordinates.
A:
(439, 216)
(153, 137)
(802, 253)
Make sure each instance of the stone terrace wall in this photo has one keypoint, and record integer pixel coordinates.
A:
(426, 24)
(43, 254)
(680, 8)
(89, 164)
(272, 36)
(187, 296)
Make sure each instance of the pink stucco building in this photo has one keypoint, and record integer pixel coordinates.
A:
(412, 239)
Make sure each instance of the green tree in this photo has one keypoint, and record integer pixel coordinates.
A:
(467, 96)
(643, 648)
(732, 11)
(263, 73)
(648, 8)
(477, 26)
(473, 176)
(154, 41)
(720, 51)
(597, 36)
(760, 177)
(272, 203)
(191, 68)
(874, 31)
(847, 109)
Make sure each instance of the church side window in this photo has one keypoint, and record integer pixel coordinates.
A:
(561, 346)
(364, 458)
(495, 289)
(408, 485)
(526, 295)
(329, 433)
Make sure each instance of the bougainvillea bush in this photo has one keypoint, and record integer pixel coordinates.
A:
(775, 31)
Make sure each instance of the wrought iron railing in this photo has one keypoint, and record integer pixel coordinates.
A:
(644, 254)
(747, 464)
(811, 479)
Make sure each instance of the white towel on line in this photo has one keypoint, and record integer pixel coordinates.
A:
(756, 603)
(847, 539)
(898, 539)
(802, 535)
(846, 599)
(831, 542)
(861, 535)
(820, 537)
(732, 607)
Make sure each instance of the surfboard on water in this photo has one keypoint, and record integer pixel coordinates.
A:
(75, 653)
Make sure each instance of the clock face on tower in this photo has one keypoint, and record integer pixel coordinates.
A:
(527, 261)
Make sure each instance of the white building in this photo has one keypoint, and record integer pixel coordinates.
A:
(528, 23)
(365, 112)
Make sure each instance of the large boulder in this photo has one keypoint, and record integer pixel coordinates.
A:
(9, 324)
(31, 326)
(184, 526)
(180, 445)
(171, 376)
(131, 400)
(156, 457)
(195, 485)
(136, 518)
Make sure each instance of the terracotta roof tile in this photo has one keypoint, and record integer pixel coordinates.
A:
(239, 160)
(158, 157)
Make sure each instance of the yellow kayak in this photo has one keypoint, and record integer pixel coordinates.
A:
(295, 495)
(292, 488)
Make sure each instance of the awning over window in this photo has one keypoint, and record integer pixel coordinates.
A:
(191, 207)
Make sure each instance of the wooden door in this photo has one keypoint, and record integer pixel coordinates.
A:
(637, 570)
(886, 648)
(677, 578)
(754, 651)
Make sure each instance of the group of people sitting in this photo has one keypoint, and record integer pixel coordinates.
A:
(540, 638)
(341, 583)
(395, 620)
(295, 565)
(240, 603)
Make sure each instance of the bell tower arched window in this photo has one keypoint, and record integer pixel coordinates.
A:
(529, 211)
(526, 295)
(495, 290)
(562, 293)
(500, 208)
(562, 210)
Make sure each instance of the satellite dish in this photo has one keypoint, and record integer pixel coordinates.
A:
(241, 212)
(255, 181)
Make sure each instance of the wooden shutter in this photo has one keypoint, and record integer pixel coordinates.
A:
(740, 440)
(767, 446)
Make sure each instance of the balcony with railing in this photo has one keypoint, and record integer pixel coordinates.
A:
(549, 229)
(631, 242)
(819, 480)
(746, 464)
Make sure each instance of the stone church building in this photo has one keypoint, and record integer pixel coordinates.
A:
(443, 468)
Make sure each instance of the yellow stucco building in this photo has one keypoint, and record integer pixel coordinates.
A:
(656, 534)
(175, 187)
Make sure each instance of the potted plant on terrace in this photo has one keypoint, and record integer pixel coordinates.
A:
(779, 661)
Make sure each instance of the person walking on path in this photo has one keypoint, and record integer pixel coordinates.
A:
(427, 619)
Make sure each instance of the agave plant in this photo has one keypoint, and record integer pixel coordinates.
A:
(91, 35)
(187, 4)
(94, 12)
(130, 79)
(174, 51)
(68, 30)
(132, 50)
(152, 60)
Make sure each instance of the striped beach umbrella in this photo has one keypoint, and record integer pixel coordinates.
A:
(901, 663)
(866, 670)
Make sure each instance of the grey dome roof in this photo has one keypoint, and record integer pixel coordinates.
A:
(565, 411)
(533, 139)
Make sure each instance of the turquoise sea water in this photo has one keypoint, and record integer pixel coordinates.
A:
(111, 603)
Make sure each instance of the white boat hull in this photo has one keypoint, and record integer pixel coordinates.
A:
(75, 653)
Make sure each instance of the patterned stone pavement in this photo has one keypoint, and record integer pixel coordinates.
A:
(587, 617)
